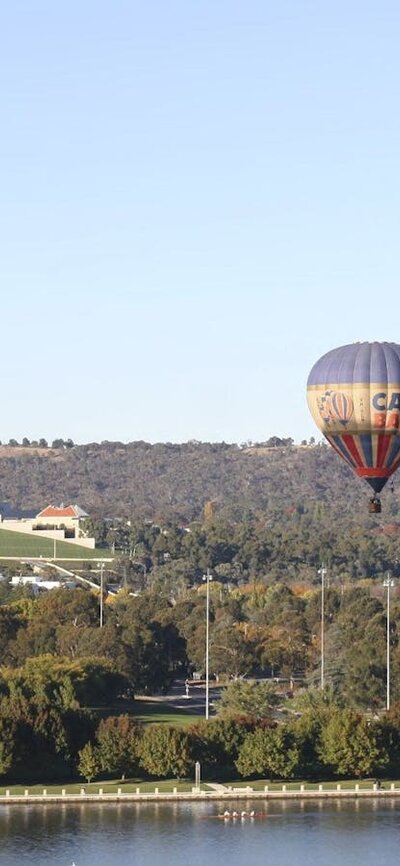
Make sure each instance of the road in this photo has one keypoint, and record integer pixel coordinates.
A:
(194, 702)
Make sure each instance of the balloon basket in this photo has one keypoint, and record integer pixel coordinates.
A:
(374, 506)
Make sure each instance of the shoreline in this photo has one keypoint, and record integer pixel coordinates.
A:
(227, 795)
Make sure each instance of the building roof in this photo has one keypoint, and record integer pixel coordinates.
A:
(62, 511)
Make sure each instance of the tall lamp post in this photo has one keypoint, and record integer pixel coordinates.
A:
(207, 577)
(388, 583)
(322, 572)
(101, 593)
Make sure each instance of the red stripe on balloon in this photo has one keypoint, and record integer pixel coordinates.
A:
(352, 447)
(378, 472)
(383, 448)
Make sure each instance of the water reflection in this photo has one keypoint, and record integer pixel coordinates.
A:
(287, 833)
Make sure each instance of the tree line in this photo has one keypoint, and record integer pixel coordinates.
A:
(332, 743)
(39, 443)
(265, 481)
(48, 731)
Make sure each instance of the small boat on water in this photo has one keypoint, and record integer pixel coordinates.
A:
(235, 816)
(239, 816)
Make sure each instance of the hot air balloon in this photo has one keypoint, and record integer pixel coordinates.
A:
(353, 394)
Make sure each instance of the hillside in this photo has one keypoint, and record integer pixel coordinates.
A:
(175, 481)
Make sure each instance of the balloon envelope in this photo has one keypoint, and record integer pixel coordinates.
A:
(353, 393)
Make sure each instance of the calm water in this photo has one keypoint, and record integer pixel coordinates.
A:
(188, 835)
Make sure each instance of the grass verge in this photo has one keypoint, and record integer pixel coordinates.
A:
(131, 786)
(345, 784)
(149, 712)
(128, 786)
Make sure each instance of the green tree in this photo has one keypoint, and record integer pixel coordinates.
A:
(349, 745)
(248, 698)
(164, 751)
(89, 764)
(41, 736)
(7, 744)
(306, 731)
(315, 702)
(231, 652)
(10, 623)
(389, 731)
(150, 649)
(118, 743)
(269, 752)
(217, 742)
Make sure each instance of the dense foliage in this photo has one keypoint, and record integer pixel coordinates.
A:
(150, 638)
(262, 520)
(61, 667)
(169, 481)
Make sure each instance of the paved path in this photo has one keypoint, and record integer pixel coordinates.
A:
(195, 701)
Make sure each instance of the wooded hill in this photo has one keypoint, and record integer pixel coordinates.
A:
(176, 481)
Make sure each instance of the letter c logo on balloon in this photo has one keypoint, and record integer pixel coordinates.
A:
(379, 401)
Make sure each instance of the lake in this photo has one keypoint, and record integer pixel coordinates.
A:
(187, 834)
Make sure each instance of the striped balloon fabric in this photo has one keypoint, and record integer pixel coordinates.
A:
(353, 393)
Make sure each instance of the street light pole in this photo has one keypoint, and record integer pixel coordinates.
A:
(322, 572)
(207, 577)
(101, 592)
(388, 584)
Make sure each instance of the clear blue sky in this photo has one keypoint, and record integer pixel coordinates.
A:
(198, 199)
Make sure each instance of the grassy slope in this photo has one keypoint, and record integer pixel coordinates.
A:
(20, 544)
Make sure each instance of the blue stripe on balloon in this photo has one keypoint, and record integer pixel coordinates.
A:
(366, 445)
(342, 448)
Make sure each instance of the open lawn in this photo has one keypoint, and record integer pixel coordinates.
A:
(149, 712)
(18, 544)
(128, 786)
(345, 785)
